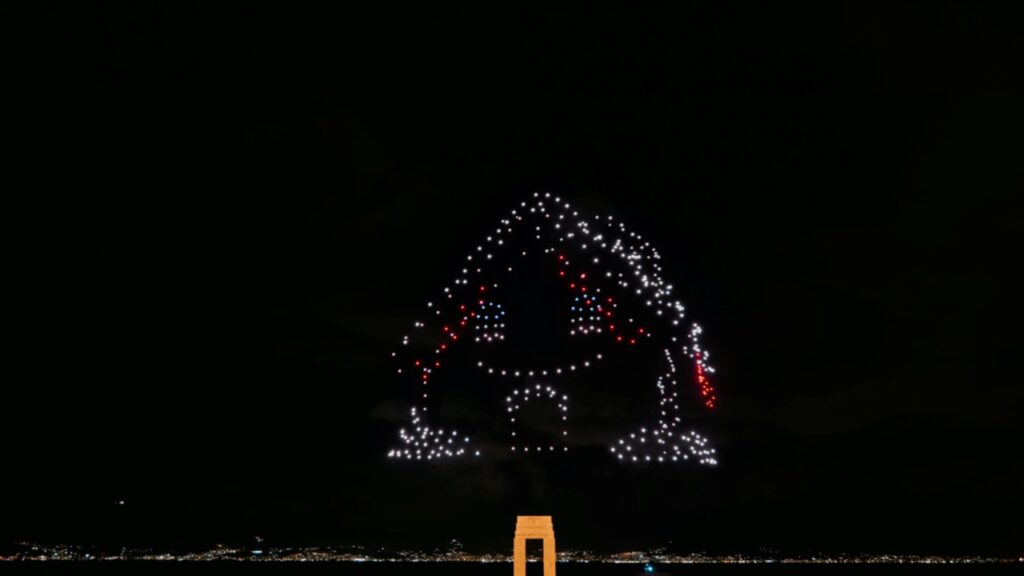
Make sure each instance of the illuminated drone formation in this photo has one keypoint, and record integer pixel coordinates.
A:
(597, 260)
(523, 396)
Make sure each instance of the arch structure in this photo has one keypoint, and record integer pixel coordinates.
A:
(533, 528)
(617, 296)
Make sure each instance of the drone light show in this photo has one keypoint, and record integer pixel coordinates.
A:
(618, 299)
(426, 291)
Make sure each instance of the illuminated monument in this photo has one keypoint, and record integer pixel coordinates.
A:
(533, 528)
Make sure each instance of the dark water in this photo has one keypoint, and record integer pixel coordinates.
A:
(497, 569)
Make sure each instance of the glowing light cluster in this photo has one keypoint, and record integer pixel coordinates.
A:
(490, 324)
(588, 315)
(700, 366)
(665, 446)
(520, 397)
(423, 443)
(598, 261)
(539, 372)
(664, 442)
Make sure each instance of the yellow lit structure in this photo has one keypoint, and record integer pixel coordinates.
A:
(533, 528)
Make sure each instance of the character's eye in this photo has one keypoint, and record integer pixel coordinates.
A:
(589, 315)
(490, 322)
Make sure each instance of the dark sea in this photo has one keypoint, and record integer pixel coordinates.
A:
(493, 569)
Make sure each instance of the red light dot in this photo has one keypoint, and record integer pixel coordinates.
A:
(572, 285)
(612, 327)
(437, 364)
(444, 346)
(632, 340)
(561, 272)
(641, 330)
(445, 329)
(618, 338)
(483, 288)
(462, 307)
(583, 288)
(561, 257)
(417, 362)
(583, 276)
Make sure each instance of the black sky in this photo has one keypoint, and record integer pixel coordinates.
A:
(228, 220)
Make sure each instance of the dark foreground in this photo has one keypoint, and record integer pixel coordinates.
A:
(493, 569)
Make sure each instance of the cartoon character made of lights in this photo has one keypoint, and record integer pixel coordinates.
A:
(597, 260)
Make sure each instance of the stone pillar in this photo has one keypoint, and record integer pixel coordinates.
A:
(519, 557)
(533, 528)
(549, 555)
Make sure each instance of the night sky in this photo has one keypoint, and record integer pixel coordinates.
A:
(233, 217)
